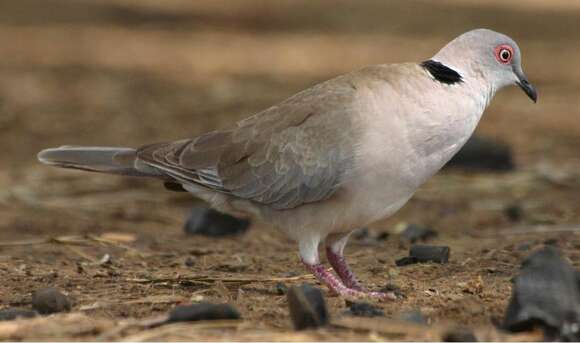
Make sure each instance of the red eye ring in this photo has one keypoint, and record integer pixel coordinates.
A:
(504, 53)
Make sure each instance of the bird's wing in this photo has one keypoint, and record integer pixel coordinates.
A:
(293, 153)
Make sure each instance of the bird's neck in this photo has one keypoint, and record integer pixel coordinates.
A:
(453, 62)
(474, 80)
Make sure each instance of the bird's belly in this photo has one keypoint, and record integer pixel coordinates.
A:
(349, 209)
(377, 195)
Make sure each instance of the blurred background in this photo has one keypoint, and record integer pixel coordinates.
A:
(128, 72)
(132, 72)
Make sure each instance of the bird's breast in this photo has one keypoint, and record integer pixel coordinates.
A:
(406, 139)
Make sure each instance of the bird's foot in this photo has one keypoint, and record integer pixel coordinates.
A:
(339, 288)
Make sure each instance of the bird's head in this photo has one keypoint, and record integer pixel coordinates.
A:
(489, 56)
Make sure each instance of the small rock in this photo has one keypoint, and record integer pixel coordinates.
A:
(208, 222)
(481, 153)
(202, 311)
(545, 294)
(413, 233)
(430, 253)
(14, 313)
(362, 309)
(405, 261)
(307, 307)
(50, 300)
(414, 316)
(425, 253)
(459, 335)
(514, 212)
(189, 261)
(281, 288)
(383, 236)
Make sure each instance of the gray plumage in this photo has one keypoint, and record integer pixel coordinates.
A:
(291, 154)
(109, 160)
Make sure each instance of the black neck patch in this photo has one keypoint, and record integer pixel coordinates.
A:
(441, 72)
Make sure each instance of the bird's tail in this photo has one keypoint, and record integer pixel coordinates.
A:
(121, 161)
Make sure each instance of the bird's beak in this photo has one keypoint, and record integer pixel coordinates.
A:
(526, 86)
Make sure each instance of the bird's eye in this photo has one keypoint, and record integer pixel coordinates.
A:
(504, 54)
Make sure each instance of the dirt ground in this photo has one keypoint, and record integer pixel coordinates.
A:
(130, 72)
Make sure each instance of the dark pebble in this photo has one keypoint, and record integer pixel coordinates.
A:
(414, 316)
(514, 212)
(383, 236)
(405, 261)
(189, 261)
(545, 295)
(481, 153)
(459, 335)
(50, 300)
(307, 307)
(14, 313)
(203, 311)
(414, 233)
(362, 309)
(430, 253)
(208, 222)
(281, 288)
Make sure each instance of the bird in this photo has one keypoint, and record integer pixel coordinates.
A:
(334, 157)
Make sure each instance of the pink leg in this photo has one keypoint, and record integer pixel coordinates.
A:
(308, 247)
(336, 286)
(335, 254)
(343, 270)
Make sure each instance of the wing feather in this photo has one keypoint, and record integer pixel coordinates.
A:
(288, 155)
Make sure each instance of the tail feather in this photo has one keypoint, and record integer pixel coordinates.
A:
(122, 161)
